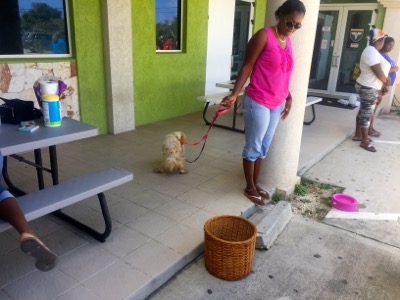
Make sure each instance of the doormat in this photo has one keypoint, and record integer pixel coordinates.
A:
(335, 103)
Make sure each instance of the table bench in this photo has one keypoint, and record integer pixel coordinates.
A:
(52, 199)
(215, 99)
(311, 100)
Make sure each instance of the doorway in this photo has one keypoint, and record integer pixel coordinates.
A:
(341, 36)
(242, 30)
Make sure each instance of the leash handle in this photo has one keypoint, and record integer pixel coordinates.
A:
(220, 111)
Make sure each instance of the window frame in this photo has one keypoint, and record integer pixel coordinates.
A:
(181, 24)
(50, 55)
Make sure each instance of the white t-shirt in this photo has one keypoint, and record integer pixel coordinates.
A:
(371, 57)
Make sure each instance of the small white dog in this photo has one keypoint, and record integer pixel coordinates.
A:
(173, 158)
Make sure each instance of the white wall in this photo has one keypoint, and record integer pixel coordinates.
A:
(219, 45)
(391, 27)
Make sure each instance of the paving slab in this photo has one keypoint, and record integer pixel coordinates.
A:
(310, 260)
(270, 223)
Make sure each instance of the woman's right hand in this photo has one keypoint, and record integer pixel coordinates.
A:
(228, 100)
(384, 90)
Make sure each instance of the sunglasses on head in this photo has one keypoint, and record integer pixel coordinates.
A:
(291, 24)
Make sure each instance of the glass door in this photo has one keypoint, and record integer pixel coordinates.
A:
(323, 50)
(242, 29)
(354, 42)
(339, 41)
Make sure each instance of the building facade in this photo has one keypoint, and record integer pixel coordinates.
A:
(120, 81)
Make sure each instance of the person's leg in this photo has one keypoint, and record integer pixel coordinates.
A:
(257, 170)
(256, 119)
(248, 169)
(372, 131)
(11, 212)
(367, 106)
(30, 243)
(274, 117)
(266, 143)
(357, 135)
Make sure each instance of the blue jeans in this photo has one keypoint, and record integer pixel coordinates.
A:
(3, 193)
(260, 124)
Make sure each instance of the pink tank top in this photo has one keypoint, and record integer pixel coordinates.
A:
(270, 78)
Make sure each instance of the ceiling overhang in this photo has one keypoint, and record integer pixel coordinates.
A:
(390, 3)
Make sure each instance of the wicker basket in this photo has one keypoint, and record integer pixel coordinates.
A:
(229, 246)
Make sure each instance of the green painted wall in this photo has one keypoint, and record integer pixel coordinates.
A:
(166, 84)
(88, 37)
(380, 17)
(259, 14)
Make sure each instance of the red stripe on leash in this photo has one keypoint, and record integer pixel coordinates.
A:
(220, 111)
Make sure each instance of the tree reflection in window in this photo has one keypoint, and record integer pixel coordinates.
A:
(168, 25)
(35, 28)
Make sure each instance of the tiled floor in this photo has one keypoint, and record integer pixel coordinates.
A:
(157, 218)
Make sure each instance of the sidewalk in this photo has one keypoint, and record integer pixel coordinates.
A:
(158, 218)
(310, 261)
(336, 259)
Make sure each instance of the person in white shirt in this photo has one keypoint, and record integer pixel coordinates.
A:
(373, 78)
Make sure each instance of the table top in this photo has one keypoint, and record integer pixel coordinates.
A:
(312, 100)
(229, 84)
(13, 141)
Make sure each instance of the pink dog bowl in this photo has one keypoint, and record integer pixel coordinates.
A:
(344, 202)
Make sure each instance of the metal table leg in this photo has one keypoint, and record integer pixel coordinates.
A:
(106, 216)
(38, 164)
(53, 164)
(39, 169)
(233, 127)
(313, 117)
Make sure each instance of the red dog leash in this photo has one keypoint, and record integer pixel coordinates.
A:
(219, 111)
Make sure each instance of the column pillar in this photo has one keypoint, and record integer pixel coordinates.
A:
(117, 35)
(390, 27)
(280, 167)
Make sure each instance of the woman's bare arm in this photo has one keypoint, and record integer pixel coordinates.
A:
(253, 50)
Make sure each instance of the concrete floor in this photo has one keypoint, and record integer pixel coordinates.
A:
(157, 219)
(348, 256)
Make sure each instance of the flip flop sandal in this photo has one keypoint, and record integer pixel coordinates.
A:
(45, 259)
(360, 139)
(375, 133)
(368, 147)
(257, 200)
(263, 193)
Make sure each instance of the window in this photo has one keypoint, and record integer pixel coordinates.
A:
(168, 25)
(34, 28)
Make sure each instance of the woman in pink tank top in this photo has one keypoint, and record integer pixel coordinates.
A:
(269, 60)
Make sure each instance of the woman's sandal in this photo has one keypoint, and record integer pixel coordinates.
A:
(257, 200)
(45, 259)
(368, 147)
(263, 193)
(375, 133)
(360, 139)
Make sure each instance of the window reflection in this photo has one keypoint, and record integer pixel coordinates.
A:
(37, 27)
(168, 25)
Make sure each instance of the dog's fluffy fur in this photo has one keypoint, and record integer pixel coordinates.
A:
(173, 158)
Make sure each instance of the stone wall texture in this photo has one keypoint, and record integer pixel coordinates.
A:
(17, 79)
